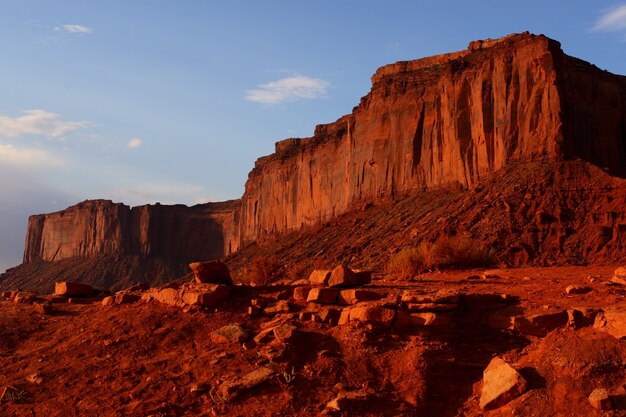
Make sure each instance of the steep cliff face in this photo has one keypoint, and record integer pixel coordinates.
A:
(444, 121)
(100, 227)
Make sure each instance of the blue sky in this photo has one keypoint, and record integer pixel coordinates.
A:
(172, 101)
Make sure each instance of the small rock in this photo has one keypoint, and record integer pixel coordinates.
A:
(254, 310)
(600, 399)
(229, 334)
(285, 333)
(431, 319)
(279, 307)
(323, 295)
(347, 400)
(490, 275)
(618, 280)
(108, 301)
(74, 289)
(501, 384)
(43, 308)
(329, 316)
(212, 272)
(198, 388)
(577, 289)
(541, 324)
(232, 388)
(320, 276)
(35, 379)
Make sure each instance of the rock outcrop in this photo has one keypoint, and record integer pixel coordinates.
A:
(444, 121)
(101, 227)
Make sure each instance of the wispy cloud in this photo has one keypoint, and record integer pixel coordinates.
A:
(73, 29)
(134, 143)
(297, 87)
(28, 157)
(38, 123)
(612, 20)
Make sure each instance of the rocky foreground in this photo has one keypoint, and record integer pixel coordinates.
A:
(534, 341)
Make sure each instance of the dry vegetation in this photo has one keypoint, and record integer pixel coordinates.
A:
(445, 252)
(263, 271)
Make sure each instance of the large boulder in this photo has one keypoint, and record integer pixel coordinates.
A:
(204, 295)
(212, 272)
(320, 276)
(323, 295)
(501, 384)
(74, 289)
(342, 276)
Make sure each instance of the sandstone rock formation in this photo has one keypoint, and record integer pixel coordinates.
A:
(101, 227)
(444, 122)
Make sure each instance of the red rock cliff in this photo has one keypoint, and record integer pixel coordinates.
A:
(445, 121)
(100, 227)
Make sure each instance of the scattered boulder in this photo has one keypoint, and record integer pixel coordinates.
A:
(613, 321)
(108, 301)
(280, 307)
(353, 296)
(301, 293)
(431, 319)
(372, 314)
(126, 298)
(43, 308)
(232, 388)
(211, 272)
(501, 384)
(285, 333)
(600, 399)
(74, 289)
(204, 295)
(440, 297)
(541, 324)
(328, 315)
(320, 276)
(323, 295)
(577, 289)
(342, 276)
(425, 307)
(168, 296)
(347, 400)
(229, 334)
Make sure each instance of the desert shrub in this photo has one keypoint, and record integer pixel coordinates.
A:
(406, 263)
(459, 251)
(298, 271)
(446, 252)
(263, 271)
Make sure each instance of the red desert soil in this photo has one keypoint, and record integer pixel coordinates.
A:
(150, 359)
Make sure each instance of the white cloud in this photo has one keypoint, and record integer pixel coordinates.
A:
(28, 157)
(613, 20)
(78, 29)
(293, 88)
(134, 143)
(39, 123)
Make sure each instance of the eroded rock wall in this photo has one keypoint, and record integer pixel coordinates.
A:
(444, 121)
(100, 227)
